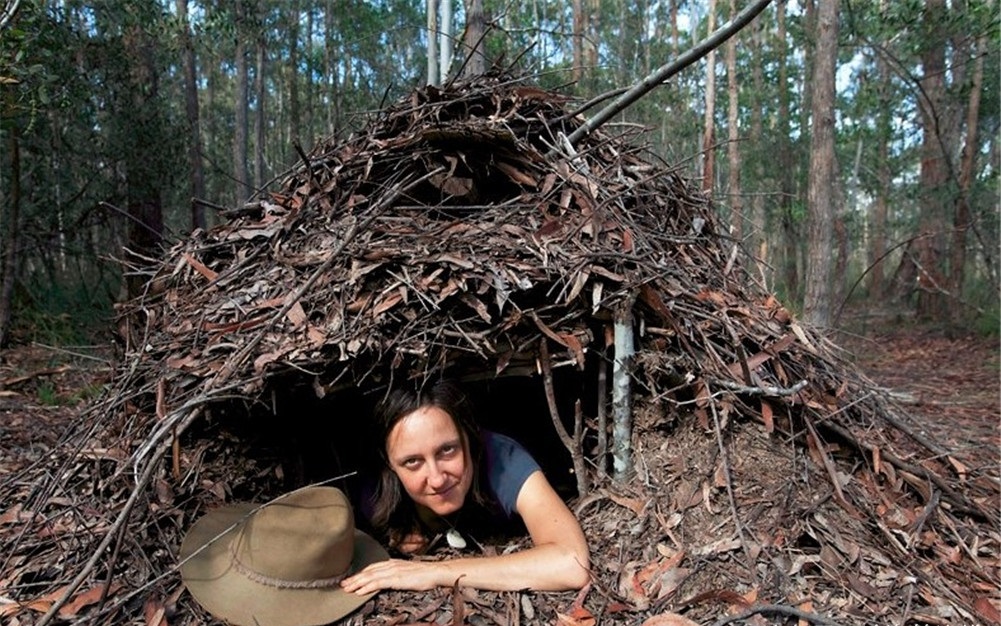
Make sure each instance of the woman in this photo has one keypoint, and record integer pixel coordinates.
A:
(437, 467)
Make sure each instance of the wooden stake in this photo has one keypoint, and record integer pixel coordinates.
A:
(622, 422)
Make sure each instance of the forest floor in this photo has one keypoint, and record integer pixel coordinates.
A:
(951, 388)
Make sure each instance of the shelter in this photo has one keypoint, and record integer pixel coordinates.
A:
(588, 293)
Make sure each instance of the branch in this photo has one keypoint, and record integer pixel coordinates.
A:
(664, 72)
(776, 609)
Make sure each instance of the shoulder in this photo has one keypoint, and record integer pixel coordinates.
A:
(507, 465)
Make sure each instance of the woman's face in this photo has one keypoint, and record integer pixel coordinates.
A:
(430, 457)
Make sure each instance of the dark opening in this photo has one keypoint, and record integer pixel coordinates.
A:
(323, 438)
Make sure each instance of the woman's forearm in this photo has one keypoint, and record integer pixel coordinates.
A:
(542, 568)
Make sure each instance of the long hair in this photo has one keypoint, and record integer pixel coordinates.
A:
(392, 512)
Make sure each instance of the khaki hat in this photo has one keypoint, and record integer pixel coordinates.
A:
(279, 564)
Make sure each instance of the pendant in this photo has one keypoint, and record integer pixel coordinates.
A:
(454, 539)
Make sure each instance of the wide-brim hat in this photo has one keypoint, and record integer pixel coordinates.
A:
(278, 564)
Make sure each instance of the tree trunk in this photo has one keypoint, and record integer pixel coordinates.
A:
(709, 125)
(310, 108)
(933, 174)
(446, 39)
(756, 240)
(332, 100)
(884, 129)
(473, 43)
(790, 232)
(241, 173)
(294, 108)
(733, 135)
(143, 176)
(433, 77)
(821, 191)
(9, 230)
(674, 27)
(260, 179)
(578, 41)
(961, 218)
(196, 169)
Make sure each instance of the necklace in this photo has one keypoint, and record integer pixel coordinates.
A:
(455, 539)
(452, 536)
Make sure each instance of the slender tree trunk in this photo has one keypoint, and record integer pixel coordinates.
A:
(308, 84)
(709, 125)
(331, 100)
(733, 135)
(446, 39)
(434, 79)
(260, 175)
(473, 43)
(756, 239)
(961, 218)
(294, 108)
(933, 175)
(674, 27)
(196, 169)
(9, 230)
(578, 40)
(790, 231)
(822, 192)
(884, 129)
(143, 176)
(241, 172)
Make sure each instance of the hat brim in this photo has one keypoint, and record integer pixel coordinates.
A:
(208, 573)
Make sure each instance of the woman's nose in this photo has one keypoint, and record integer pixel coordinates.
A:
(436, 476)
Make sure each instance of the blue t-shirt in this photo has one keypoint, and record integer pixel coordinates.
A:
(506, 467)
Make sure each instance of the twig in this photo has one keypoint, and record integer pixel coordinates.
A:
(776, 609)
(573, 444)
(826, 459)
(761, 390)
(729, 488)
(925, 514)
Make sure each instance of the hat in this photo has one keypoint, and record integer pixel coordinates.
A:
(278, 564)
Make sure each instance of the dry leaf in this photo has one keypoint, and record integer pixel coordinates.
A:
(200, 267)
(578, 616)
(154, 612)
(767, 417)
(634, 505)
(631, 587)
(961, 469)
(296, 315)
(986, 609)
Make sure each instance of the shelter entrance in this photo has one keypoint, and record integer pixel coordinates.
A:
(317, 439)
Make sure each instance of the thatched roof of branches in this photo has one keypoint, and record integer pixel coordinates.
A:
(460, 234)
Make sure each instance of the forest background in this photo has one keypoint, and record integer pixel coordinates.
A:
(852, 145)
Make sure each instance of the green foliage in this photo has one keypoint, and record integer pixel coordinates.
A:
(47, 395)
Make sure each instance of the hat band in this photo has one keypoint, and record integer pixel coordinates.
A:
(282, 583)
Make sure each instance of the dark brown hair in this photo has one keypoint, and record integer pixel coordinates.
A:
(392, 513)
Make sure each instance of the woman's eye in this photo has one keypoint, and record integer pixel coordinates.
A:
(449, 450)
(411, 463)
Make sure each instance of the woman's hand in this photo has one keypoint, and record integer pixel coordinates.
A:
(396, 574)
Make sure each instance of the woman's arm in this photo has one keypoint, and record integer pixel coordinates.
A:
(557, 561)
